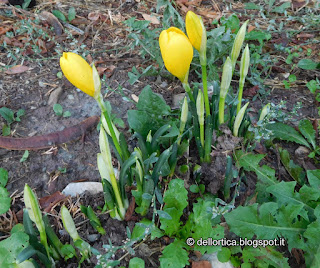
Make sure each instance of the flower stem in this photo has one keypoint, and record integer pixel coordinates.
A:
(202, 134)
(241, 84)
(205, 89)
(221, 110)
(116, 191)
(188, 90)
(109, 123)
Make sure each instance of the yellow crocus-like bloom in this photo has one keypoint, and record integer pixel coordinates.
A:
(78, 72)
(176, 51)
(196, 31)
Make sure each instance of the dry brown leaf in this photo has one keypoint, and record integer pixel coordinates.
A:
(3, 30)
(108, 71)
(150, 18)
(251, 28)
(94, 16)
(48, 202)
(18, 69)
(201, 264)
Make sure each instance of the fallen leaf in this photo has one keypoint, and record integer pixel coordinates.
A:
(108, 71)
(251, 92)
(53, 21)
(3, 30)
(49, 140)
(2, 2)
(305, 35)
(48, 202)
(201, 264)
(250, 28)
(135, 98)
(94, 16)
(150, 18)
(18, 69)
(130, 210)
(296, 4)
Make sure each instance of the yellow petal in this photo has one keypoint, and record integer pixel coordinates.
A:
(176, 51)
(194, 29)
(78, 72)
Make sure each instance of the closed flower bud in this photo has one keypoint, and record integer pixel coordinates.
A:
(78, 72)
(245, 61)
(176, 51)
(184, 114)
(238, 44)
(200, 107)
(226, 78)
(265, 110)
(238, 120)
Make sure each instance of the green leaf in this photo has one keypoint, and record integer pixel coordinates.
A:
(308, 64)
(314, 178)
(171, 226)
(282, 8)
(295, 171)
(59, 15)
(25, 4)
(20, 113)
(11, 247)
(57, 108)
(71, 14)
(284, 132)
(313, 85)
(25, 156)
(6, 130)
(3, 177)
(268, 222)
(224, 254)
(265, 174)
(139, 230)
(68, 251)
(286, 194)
(66, 114)
(5, 201)
(264, 257)
(251, 6)
(136, 263)
(7, 114)
(174, 255)
(176, 196)
(308, 131)
(152, 103)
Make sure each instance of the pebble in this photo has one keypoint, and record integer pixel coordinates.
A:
(213, 259)
(93, 237)
(70, 97)
(164, 84)
(301, 152)
(78, 188)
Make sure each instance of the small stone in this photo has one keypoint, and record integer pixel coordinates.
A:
(93, 237)
(177, 99)
(70, 97)
(302, 152)
(164, 84)
(41, 84)
(78, 188)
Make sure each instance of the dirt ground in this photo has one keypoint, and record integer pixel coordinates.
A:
(106, 43)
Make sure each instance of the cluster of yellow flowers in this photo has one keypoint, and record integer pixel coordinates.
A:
(176, 47)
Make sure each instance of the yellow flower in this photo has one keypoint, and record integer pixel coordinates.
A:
(78, 72)
(176, 51)
(196, 31)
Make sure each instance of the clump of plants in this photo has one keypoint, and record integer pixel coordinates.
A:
(152, 169)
